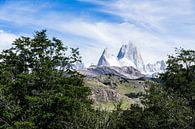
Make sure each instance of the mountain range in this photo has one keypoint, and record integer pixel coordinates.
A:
(130, 56)
(127, 64)
(120, 77)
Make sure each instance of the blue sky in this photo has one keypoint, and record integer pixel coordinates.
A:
(156, 27)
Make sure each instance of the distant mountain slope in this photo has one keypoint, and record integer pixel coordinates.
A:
(124, 72)
(159, 67)
(109, 90)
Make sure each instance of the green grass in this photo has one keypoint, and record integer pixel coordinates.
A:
(113, 105)
(94, 84)
(126, 89)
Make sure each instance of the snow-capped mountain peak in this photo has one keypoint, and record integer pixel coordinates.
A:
(158, 67)
(126, 51)
(107, 59)
(129, 55)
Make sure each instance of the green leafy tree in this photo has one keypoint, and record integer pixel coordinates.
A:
(164, 110)
(38, 89)
(160, 110)
(132, 118)
(180, 74)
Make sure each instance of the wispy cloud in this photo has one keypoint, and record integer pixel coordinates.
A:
(154, 26)
(6, 39)
(154, 15)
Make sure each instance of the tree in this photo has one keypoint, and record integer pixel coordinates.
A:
(164, 110)
(132, 118)
(180, 74)
(160, 110)
(38, 89)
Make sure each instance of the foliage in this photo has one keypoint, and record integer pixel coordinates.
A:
(37, 87)
(161, 111)
(96, 119)
(180, 74)
(132, 118)
(164, 110)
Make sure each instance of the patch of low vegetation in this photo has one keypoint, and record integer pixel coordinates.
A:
(119, 89)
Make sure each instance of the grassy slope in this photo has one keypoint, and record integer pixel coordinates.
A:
(120, 87)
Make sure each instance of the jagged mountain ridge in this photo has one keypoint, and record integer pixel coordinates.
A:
(159, 66)
(129, 55)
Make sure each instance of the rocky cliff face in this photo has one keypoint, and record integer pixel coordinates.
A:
(105, 95)
(129, 55)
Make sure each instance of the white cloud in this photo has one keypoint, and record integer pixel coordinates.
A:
(6, 39)
(152, 15)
